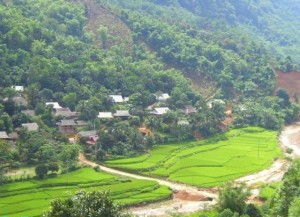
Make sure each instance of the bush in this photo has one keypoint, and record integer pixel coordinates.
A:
(41, 171)
(94, 203)
(289, 150)
(53, 167)
(233, 198)
(252, 211)
(97, 168)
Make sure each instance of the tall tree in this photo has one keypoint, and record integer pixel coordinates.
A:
(233, 197)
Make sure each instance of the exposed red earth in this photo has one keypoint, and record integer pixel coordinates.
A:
(290, 81)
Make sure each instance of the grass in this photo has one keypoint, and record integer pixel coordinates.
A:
(212, 213)
(33, 197)
(208, 162)
(268, 191)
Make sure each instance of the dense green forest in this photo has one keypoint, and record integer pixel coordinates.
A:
(271, 22)
(49, 48)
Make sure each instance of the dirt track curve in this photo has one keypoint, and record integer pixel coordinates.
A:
(289, 138)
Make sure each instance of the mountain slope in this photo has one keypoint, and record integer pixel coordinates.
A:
(274, 23)
(102, 21)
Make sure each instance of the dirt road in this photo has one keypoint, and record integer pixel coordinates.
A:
(165, 208)
(289, 138)
(174, 186)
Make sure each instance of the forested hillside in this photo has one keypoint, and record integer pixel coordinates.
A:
(271, 22)
(80, 53)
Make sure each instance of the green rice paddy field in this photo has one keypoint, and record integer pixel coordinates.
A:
(208, 162)
(31, 198)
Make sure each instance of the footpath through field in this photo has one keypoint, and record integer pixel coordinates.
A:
(185, 205)
(289, 138)
(172, 185)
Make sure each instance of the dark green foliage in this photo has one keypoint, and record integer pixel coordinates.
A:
(231, 23)
(284, 96)
(189, 53)
(233, 198)
(228, 213)
(53, 167)
(41, 171)
(267, 112)
(5, 159)
(286, 196)
(94, 204)
(252, 211)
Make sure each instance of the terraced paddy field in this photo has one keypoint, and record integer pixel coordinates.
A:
(31, 198)
(208, 162)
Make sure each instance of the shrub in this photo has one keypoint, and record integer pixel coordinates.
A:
(41, 171)
(233, 198)
(53, 167)
(97, 168)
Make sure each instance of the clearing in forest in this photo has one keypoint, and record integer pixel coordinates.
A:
(290, 81)
(118, 31)
(33, 197)
(208, 162)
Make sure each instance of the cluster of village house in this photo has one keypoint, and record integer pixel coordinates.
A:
(70, 124)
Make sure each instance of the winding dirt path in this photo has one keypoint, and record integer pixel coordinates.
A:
(165, 208)
(174, 186)
(289, 138)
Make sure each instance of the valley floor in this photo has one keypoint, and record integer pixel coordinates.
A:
(289, 138)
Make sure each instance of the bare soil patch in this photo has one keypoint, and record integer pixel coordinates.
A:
(99, 16)
(22, 171)
(290, 81)
(202, 85)
(184, 195)
(290, 139)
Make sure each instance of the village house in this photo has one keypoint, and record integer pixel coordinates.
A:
(19, 101)
(124, 114)
(65, 112)
(105, 115)
(81, 123)
(160, 111)
(67, 127)
(188, 109)
(91, 135)
(31, 127)
(54, 105)
(3, 135)
(118, 98)
(162, 97)
(18, 88)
